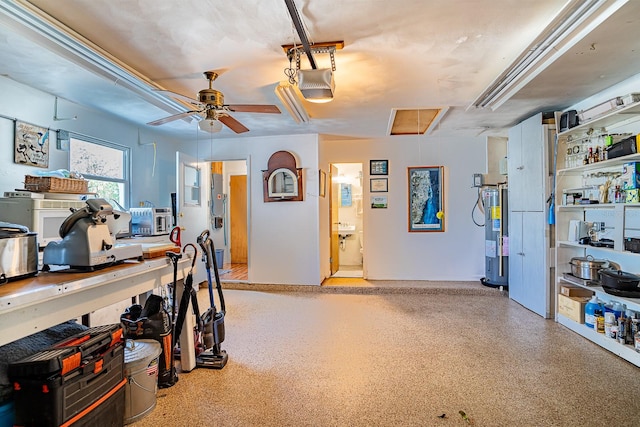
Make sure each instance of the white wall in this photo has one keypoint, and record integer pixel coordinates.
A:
(283, 236)
(289, 241)
(390, 251)
(35, 107)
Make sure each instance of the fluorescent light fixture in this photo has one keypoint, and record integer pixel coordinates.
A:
(291, 98)
(30, 21)
(576, 20)
(316, 85)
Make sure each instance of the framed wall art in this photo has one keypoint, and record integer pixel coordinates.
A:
(378, 202)
(31, 145)
(379, 185)
(378, 167)
(426, 198)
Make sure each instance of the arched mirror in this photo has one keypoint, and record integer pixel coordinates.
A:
(282, 183)
(282, 179)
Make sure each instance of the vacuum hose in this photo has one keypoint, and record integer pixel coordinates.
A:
(210, 261)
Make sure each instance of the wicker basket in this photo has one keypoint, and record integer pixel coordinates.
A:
(53, 184)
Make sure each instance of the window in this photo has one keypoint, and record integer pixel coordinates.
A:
(104, 164)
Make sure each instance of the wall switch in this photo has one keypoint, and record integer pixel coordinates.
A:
(477, 180)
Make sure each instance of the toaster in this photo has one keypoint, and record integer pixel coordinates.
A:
(18, 252)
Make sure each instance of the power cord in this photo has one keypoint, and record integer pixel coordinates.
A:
(480, 205)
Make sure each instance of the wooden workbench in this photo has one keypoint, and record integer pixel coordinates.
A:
(31, 305)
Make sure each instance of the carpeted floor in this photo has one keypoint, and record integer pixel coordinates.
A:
(329, 358)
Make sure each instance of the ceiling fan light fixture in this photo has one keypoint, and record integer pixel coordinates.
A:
(210, 125)
(317, 85)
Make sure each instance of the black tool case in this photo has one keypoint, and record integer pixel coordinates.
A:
(79, 381)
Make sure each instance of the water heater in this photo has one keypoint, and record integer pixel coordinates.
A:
(496, 237)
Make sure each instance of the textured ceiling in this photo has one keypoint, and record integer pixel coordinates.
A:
(401, 54)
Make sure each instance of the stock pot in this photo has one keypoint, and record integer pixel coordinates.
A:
(588, 267)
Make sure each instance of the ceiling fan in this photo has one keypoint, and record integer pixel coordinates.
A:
(210, 102)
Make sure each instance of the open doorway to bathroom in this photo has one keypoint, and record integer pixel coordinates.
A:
(348, 182)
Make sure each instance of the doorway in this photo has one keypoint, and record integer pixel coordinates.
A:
(347, 193)
(233, 179)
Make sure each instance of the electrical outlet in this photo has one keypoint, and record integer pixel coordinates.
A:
(477, 180)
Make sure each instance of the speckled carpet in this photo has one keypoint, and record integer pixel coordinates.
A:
(328, 358)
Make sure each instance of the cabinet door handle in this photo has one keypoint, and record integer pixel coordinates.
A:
(521, 253)
(520, 168)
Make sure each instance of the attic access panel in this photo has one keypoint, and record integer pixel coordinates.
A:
(412, 121)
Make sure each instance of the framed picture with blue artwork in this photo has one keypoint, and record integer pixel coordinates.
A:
(378, 167)
(426, 198)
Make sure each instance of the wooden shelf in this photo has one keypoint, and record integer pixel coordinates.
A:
(614, 117)
(627, 352)
(594, 206)
(605, 164)
(631, 303)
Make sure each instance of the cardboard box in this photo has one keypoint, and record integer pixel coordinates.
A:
(630, 176)
(632, 196)
(575, 291)
(572, 307)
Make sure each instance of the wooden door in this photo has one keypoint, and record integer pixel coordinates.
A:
(334, 204)
(238, 218)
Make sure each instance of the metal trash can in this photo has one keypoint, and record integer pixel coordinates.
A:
(141, 371)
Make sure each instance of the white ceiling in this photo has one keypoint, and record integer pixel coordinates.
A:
(400, 54)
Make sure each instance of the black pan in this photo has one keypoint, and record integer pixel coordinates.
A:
(620, 280)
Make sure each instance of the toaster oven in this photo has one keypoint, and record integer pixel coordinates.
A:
(151, 221)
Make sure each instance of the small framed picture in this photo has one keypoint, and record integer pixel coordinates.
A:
(378, 202)
(379, 185)
(378, 167)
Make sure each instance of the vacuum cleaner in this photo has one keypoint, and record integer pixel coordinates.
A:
(212, 319)
(209, 329)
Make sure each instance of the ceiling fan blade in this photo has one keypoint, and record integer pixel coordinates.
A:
(233, 124)
(179, 96)
(253, 108)
(178, 116)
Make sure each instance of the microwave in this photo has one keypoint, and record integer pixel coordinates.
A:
(43, 216)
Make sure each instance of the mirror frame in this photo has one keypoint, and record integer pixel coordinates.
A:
(282, 161)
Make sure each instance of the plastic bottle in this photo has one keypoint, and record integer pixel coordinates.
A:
(630, 314)
(616, 308)
(610, 324)
(590, 309)
(599, 321)
(621, 334)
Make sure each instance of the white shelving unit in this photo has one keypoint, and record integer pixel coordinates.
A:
(621, 220)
